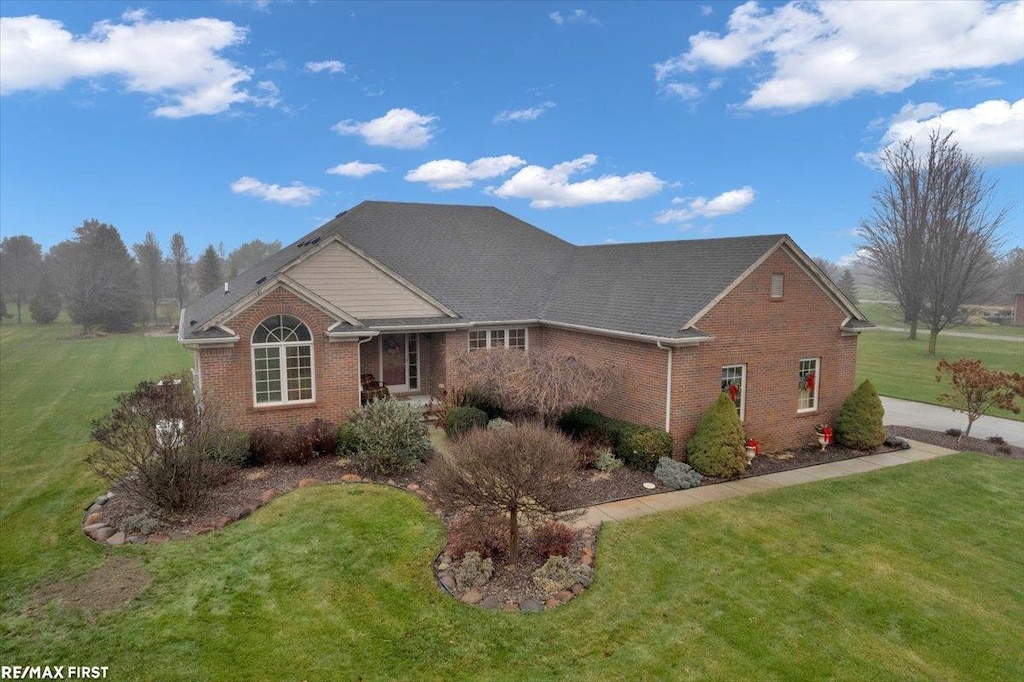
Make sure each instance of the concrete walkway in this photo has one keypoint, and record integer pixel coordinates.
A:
(680, 499)
(937, 418)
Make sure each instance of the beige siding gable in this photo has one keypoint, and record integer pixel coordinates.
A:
(358, 287)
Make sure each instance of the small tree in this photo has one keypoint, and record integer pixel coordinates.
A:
(716, 448)
(151, 260)
(522, 471)
(157, 445)
(536, 384)
(976, 389)
(20, 264)
(181, 262)
(859, 425)
(45, 302)
(208, 270)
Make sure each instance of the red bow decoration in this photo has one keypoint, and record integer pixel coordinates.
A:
(810, 381)
(733, 392)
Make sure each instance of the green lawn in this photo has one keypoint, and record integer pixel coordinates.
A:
(889, 315)
(900, 368)
(906, 573)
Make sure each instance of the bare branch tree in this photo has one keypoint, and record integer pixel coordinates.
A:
(932, 234)
(536, 384)
(522, 471)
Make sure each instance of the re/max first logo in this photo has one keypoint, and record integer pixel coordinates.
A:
(53, 672)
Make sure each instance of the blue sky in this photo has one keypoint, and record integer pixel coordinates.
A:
(599, 122)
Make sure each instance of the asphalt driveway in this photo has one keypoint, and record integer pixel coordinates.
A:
(909, 413)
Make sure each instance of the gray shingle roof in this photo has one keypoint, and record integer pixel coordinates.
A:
(488, 266)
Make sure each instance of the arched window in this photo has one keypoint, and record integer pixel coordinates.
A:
(282, 361)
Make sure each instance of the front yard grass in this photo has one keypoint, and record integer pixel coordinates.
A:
(899, 368)
(905, 573)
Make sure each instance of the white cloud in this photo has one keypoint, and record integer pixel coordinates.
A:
(733, 201)
(818, 52)
(684, 91)
(991, 131)
(529, 114)
(330, 66)
(451, 174)
(550, 187)
(356, 169)
(576, 16)
(295, 194)
(851, 259)
(176, 61)
(979, 81)
(706, 10)
(399, 128)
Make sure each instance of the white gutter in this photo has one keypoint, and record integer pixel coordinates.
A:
(668, 389)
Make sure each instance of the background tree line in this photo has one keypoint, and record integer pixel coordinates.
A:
(103, 285)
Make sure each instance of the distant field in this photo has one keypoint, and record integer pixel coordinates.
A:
(888, 315)
(899, 368)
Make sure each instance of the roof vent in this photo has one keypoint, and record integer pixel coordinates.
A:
(261, 280)
(341, 214)
(314, 241)
(191, 323)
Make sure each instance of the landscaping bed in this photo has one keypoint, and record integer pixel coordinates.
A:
(946, 441)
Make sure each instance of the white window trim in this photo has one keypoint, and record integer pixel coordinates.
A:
(817, 385)
(743, 388)
(282, 358)
(506, 330)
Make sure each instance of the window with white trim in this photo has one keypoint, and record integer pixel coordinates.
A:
(777, 281)
(514, 338)
(809, 385)
(734, 383)
(282, 361)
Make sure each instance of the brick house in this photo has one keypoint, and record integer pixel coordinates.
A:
(397, 290)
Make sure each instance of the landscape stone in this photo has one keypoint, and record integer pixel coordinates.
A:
(93, 518)
(96, 507)
(202, 530)
(551, 603)
(106, 498)
(221, 521)
(565, 595)
(391, 481)
(306, 482)
(473, 596)
(101, 500)
(101, 534)
(491, 602)
(93, 527)
(240, 513)
(531, 605)
(443, 566)
(179, 534)
(577, 588)
(351, 478)
(159, 538)
(587, 560)
(117, 539)
(268, 495)
(137, 539)
(448, 581)
(511, 606)
(413, 486)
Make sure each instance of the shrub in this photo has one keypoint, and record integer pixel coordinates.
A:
(485, 535)
(346, 439)
(460, 420)
(606, 461)
(498, 423)
(552, 539)
(576, 421)
(391, 438)
(484, 403)
(153, 445)
(140, 524)
(526, 470)
(473, 571)
(676, 475)
(590, 444)
(955, 433)
(319, 437)
(998, 440)
(1004, 450)
(559, 573)
(298, 446)
(263, 443)
(717, 446)
(896, 442)
(859, 425)
(227, 446)
(641, 447)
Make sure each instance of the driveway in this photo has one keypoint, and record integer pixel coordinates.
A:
(909, 413)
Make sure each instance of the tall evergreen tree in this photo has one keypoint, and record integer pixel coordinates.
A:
(20, 262)
(150, 259)
(848, 286)
(45, 302)
(251, 253)
(208, 270)
(100, 282)
(181, 261)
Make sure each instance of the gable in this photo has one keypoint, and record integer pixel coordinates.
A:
(351, 283)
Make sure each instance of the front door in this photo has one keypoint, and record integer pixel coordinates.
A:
(400, 361)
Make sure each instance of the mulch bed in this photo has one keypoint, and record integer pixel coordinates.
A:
(942, 440)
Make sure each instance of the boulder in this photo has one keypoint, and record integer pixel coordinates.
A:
(531, 605)
(159, 538)
(117, 539)
(448, 581)
(577, 588)
(413, 487)
(564, 595)
(306, 482)
(491, 602)
(268, 495)
(102, 534)
(93, 527)
(351, 478)
(92, 518)
(221, 521)
(473, 596)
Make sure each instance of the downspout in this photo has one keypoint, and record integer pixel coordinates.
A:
(668, 389)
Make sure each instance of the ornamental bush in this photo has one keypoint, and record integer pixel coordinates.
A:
(391, 438)
(487, 535)
(640, 447)
(473, 571)
(553, 538)
(716, 448)
(606, 461)
(461, 420)
(859, 425)
(676, 475)
(347, 440)
(560, 573)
